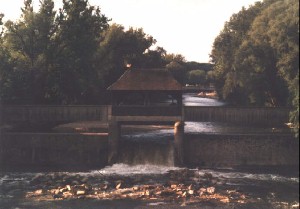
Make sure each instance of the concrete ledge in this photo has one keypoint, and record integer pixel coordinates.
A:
(219, 150)
(154, 119)
(53, 149)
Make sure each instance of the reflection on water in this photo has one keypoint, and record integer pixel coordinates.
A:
(191, 99)
(207, 127)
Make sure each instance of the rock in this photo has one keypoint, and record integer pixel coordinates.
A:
(191, 192)
(63, 190)
(179, 193)
(38, 192)
(67, 194)
(68, 187)
(210, 190)
(118, 186)
(135, 188)
(147, 192)
(80, 192)
(201, 191)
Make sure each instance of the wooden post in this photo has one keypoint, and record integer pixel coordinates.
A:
(113, 141)
(178, 143)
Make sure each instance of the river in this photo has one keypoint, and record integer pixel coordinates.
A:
(146, 161)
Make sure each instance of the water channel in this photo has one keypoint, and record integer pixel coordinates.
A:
(147, 159)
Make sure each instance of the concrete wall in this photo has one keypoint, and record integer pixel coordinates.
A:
(78, 150)
(49, 149)
(241, 150)
(52, 113)
(70, 113)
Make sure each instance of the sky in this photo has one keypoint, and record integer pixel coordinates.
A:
(186, 27)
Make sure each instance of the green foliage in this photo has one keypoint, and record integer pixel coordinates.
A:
(178, 70)
(196, 77)
(120, 48)
(73, 55)
(53, 53)
(256, 56)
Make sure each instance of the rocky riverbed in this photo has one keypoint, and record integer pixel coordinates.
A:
(174, 188)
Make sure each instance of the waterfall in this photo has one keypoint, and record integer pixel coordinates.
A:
(154, 149)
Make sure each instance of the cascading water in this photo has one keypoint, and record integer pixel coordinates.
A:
(153, 148)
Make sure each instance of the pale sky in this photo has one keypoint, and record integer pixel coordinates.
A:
(186, 27)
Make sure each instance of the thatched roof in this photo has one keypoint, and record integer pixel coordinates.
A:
(146, 80)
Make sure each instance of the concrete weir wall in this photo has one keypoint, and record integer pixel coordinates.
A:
(53, 149)
(52, 113)
(241, 150)
(63, 149)
(213, 150)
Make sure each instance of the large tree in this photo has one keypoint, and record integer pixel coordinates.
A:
(122, 48)
(80, 27)
(27, 44)
(256, 56)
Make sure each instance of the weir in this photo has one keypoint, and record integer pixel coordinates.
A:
(137, 100)
(145, 97)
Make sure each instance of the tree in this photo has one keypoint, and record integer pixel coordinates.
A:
(260, 61)
(121, 48)
(196, 77)
(26, 42)
(79, 35)
(224, 51)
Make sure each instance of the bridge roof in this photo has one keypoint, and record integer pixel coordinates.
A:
(154, 79)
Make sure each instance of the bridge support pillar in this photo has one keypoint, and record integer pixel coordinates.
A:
(178, 143)
(114, 130)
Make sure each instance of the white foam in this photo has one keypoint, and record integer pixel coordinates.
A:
(124, 169)
(251, 176)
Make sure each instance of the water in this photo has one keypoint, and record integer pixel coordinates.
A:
(148, 158)
(150, 149)
(191, 99)
(261, 189)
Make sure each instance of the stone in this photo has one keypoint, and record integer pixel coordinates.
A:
(118, 186)
(80, 192)
(38, 192)
(191, 192)
(67, 194)
(135, 188)
(68, 187)
(210, 190)
(201, 191)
